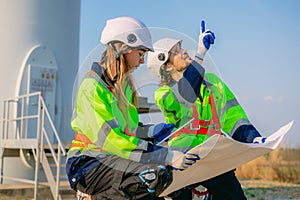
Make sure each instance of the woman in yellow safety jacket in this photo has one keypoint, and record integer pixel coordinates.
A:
(113, 155)
(187, 92)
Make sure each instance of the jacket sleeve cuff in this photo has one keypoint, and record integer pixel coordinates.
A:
(154, 155)
(246, 134)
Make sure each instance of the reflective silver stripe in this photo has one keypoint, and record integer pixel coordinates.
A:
(142, 145)
(136, 156)
(229, 104)
(113, 123)
(77, 153)
(181, 149)
(102, 134)
(165, 96)
(97, 78)
(137, 153)
(239, 123)
(133, 131)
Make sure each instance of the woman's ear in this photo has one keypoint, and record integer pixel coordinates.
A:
(129, 51)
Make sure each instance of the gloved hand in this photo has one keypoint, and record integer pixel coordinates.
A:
(181, 161)
(160, 132)
(206, 38)
(259, 140)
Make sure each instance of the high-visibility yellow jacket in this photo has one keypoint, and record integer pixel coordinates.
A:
(102, 128)
(101, 125)
(177, 110)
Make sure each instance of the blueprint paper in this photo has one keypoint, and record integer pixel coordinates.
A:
(220, 154)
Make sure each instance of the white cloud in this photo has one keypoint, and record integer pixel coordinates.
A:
(268, 99)
(278, 99)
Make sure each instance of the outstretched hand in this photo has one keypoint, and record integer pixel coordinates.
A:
(205, 40)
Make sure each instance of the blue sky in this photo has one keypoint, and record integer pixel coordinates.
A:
(257, 48)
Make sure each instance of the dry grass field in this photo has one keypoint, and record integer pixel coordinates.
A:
(281, 165)
(273, 176)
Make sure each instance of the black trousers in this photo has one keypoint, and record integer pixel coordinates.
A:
(116, 179)
(223, 187)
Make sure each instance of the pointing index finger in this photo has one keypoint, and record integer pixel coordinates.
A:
(202, 27)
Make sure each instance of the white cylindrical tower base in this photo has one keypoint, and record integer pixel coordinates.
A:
(27, 24)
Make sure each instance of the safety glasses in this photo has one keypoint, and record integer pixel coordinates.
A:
(142, 53)
(176, 50)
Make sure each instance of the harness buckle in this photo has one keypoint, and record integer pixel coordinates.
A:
(196, 128)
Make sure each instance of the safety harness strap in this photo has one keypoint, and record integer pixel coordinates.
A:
(205, 127)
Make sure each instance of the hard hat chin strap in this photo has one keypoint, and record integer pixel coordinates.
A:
(118, 52)
(122, 51)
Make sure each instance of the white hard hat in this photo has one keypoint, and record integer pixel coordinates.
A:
(127, 30)
(161, 54)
